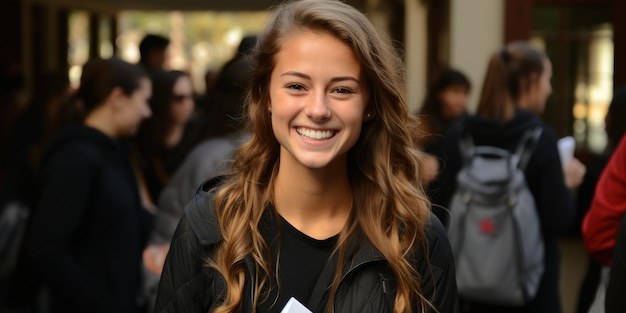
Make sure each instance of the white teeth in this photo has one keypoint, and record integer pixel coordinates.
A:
(315, 134)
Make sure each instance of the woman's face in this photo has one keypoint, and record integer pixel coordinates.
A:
(318, 100)
(453, 101)
(182, 105)
(541, 89)
(135, 109)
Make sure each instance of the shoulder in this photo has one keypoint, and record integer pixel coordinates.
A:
(525, 120)
(437, 252)
(187, 284)
(440, 252)
(76, 155)
(200, 213)
(77, 144)
(437, 268)
(455, 128)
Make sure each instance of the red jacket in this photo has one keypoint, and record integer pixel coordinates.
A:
(603, 219)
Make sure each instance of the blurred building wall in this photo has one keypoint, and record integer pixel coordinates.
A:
(415, 52)
(476, 31)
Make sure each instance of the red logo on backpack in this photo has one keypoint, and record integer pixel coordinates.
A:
(487, 227)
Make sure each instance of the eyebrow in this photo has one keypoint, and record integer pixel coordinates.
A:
(334, 79)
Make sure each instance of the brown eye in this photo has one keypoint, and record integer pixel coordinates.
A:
(295, 86)
(343, 90)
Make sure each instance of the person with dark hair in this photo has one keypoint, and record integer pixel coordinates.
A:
(213, 147)
(30, 133)
(209, 156)
(323, 205)
(89, 230)
(230, 87)
(446, 101)
(515, 90)
(158, 142)
(615, 127)
(153, 51)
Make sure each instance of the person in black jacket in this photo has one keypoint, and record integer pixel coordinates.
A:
(514, 92)
(89, 230)
(445, 102)
(323, 205)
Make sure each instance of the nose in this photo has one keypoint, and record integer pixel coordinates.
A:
(317, 108)
(147, 112)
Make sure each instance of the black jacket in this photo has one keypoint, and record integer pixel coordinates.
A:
(544, 176)
(188, 285)
(90, 229)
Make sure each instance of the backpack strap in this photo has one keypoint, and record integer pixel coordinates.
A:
(526, 146)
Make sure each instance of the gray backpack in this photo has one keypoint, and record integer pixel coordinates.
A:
(495, 230)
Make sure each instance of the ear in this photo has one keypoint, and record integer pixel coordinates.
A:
(368, 116)
(116, 98)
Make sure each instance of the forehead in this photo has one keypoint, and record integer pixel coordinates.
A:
(182, 82)
(319, 49)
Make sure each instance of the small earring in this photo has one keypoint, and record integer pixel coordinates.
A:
(368, 116)
(269, 110)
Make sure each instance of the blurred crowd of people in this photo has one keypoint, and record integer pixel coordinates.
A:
(106, 171)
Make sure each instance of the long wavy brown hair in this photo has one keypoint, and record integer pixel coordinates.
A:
(384, 166)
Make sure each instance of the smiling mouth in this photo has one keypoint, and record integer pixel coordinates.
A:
(315, 134)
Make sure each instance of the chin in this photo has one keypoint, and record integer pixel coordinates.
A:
(319, 162)
(315, 165)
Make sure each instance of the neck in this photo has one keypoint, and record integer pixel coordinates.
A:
(174, 136)
(509, 109)
(98, 119)
(317, 202)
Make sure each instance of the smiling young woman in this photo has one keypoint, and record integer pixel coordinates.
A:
(324, 204)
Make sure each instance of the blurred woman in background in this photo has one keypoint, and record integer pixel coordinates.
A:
(445, 102)
(90, 228)
(515, 89)
(159, 139)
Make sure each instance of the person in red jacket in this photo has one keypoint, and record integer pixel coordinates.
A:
(603, 219)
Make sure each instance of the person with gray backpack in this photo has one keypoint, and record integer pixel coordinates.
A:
(496, 238)
(508, 153)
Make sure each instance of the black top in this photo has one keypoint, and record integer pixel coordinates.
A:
(367, 284)
(20, 158)
(544, 176)
(301, 262)
(90, 229)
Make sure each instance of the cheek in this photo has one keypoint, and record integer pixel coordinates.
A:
(183, 111)
(352, 117)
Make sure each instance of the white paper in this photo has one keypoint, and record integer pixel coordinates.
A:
(294, 306)
(566, 149)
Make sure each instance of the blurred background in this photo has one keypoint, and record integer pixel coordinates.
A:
(582, 37)
(585, 39)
